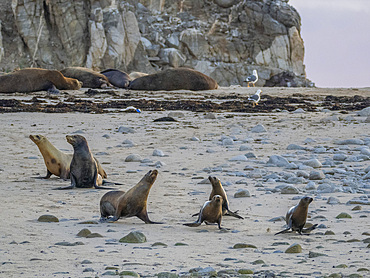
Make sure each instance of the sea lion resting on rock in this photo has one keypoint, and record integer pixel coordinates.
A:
(35, 79)
(89, 77)
(296, 217)
(83, 169)
(131, 203)
(117, 78)
(57, 162)
(217, 189)
(174, 79)
(211, 212)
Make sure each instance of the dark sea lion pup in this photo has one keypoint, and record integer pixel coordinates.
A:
(117, 78)
(57, 162)
(35, 79)
(131, 203)
(211, 212)
(296, 217)
(83, 169)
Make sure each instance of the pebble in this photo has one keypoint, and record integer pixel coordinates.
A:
(242, 193)
(194, 139)
(312, 254)
(349, 142)
(243, 245)
(364, 112)
(128, 273)
(299, 111)
(311, 185)
(227, 142)
(295, 147)
(64, 243)
(176, 114)
(133, 158)
(210, 116)
(339, 157)
(258, 129)
(333, 201)
(303, 174)
(84, 233)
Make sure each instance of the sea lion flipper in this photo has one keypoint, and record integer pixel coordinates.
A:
(53, 90)
(233, 214)
(196, 214)
(283, 231)
(308, 230)
(63, 188)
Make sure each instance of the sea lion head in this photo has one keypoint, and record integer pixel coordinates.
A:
(151, 176)
(37, 139)
(306, 201)
(76, 140)
(74, 84)
(217, 199)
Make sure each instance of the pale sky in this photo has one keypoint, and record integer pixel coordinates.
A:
(336, 35)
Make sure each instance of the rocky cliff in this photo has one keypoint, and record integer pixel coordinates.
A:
(225, 39)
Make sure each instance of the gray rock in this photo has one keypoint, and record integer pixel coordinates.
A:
(364, 112)
(227, 142)
(176, 114)
(125, 130)
(159, 153)
(242, 193)
(316, 175)
(349, 142)
(314, 163)
(310, 186)
(48, 218)
(299, 111)
(245, 148)
(295, 147)
(133, 158)
(333, 201)
(258, 129)
(325, 188)
(210, 116)
(339, 157)
(303, 174)
(194, 139)
(134, 237)
(294, 248)
(239, 158)
(278, 160)
(289, 189)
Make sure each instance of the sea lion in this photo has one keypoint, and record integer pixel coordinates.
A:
(296, 217)
(217, 189)
(117, 78)
(211, 212)
(131, 203)
(174, 79)
(83, 169)
(35, 79)
(89, 77)
(57, 162)
(136, 74)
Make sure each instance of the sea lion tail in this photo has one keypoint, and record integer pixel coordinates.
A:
(233, 214)
(194, 224)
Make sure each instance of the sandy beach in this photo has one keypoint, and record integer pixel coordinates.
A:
(196, 146)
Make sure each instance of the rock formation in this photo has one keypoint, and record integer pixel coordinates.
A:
(225, 39)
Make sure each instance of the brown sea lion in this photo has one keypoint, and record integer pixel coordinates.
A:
(174, 79)
(35, 79)
(57, 162)
(296, 217)
(131, 203)
(217, 189)
(83, 169)
(89, 77)
(136, 74)
(117, 78)
(211, 212)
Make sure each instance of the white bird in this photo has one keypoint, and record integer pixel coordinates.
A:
(255, 98)
(252, 78)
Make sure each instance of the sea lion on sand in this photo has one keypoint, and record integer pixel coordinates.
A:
(83, 169)
(57, 162)
(35, 79)
(211, 212)
(131, 203)
(296, 217)
(174, 79)
(89, 77)
(117, 78)
(217, 189)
